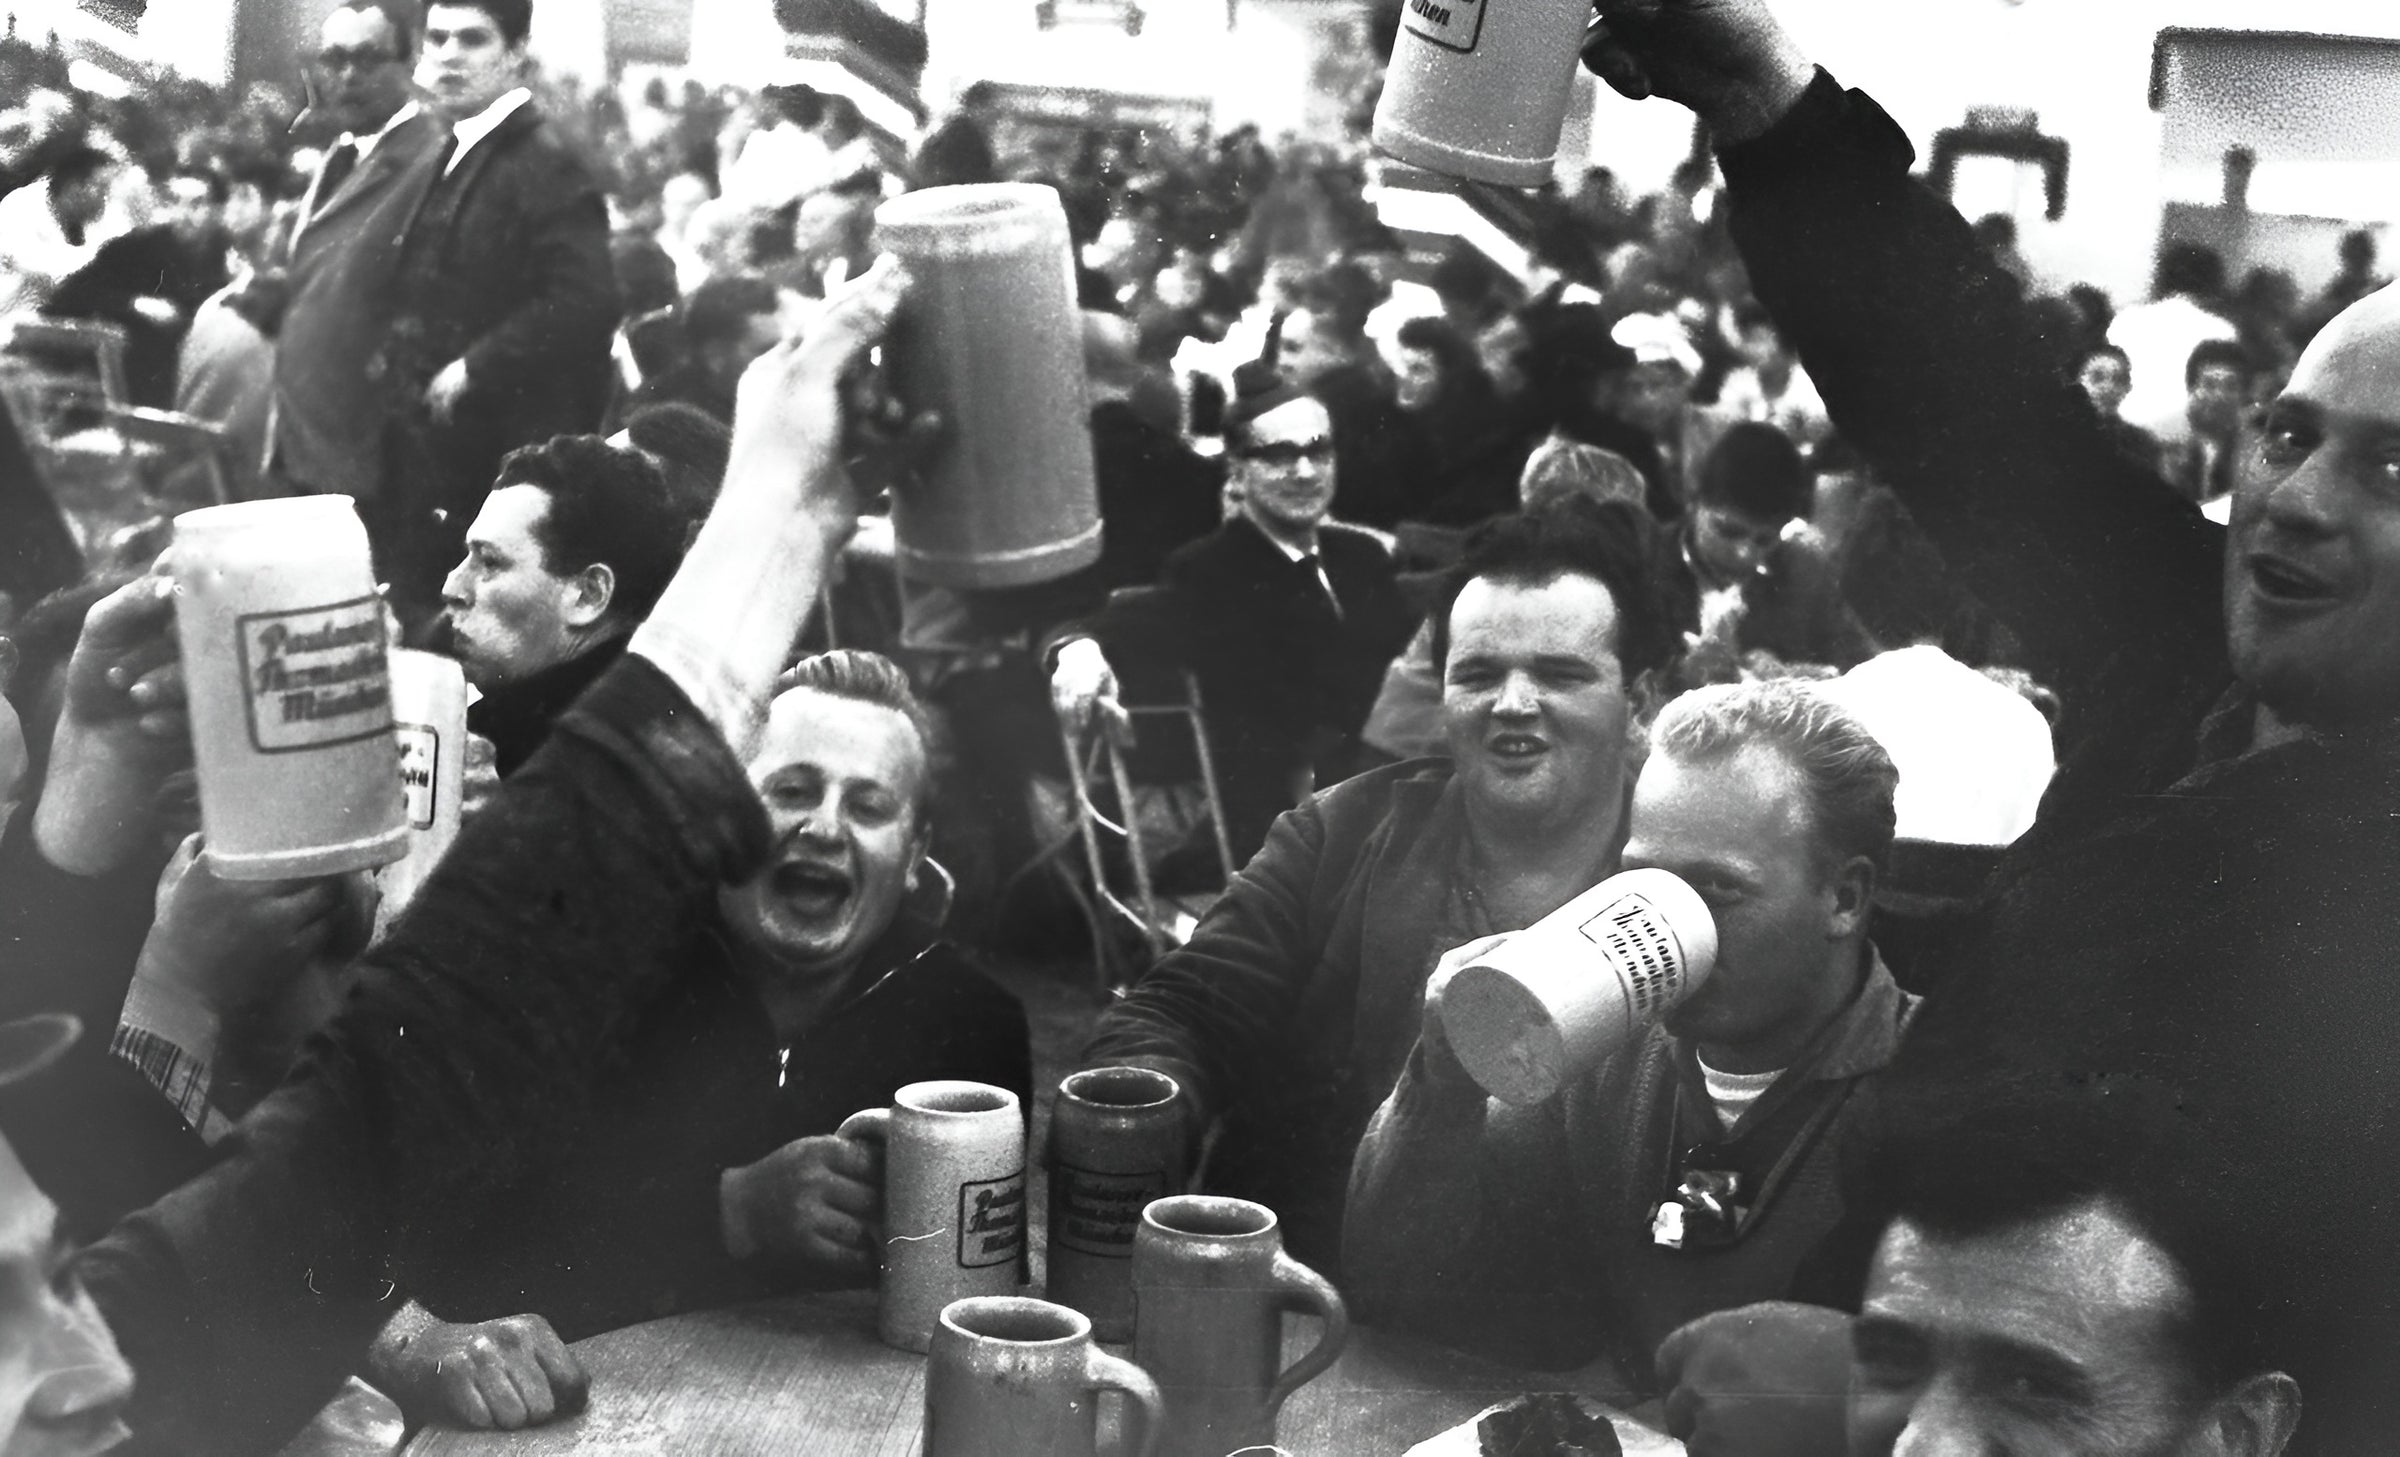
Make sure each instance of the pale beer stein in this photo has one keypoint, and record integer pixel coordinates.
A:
(953, 1200)
(990, 338)
(1211, 1285)
(1013, 1377)
(289, 689)
(1479, 88)
(429, 721)
(1545, 1005)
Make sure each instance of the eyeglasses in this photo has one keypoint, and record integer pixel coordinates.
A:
(1288, 453)
(337, 59)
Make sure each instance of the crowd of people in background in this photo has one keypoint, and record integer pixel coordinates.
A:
(1489, 585)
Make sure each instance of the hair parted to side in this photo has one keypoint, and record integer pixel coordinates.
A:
(865, 677)
(1848, 777)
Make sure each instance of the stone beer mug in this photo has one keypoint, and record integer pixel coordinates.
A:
(990, 339)
(1014, 1377)
(953, 1200)
(1116, 1144)
(289, 689)
(1211, 1283)
(1547, 1004)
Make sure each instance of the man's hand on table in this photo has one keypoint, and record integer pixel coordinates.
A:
(508, 1373)
(816, 1203)
(1772, 1377)
(1728, 60)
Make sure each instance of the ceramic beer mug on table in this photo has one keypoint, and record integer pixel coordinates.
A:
(289, 689)
(1116, 1143)
(953, 1200)
(1211, 1283)
(991, 340)
(1542, 1006)
(1013, 1377)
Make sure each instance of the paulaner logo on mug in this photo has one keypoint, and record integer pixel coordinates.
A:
(991, 1221)
(315, 676)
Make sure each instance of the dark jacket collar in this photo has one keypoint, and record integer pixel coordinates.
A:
(517, 716)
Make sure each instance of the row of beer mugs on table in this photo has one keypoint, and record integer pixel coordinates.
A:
(1198, 1283)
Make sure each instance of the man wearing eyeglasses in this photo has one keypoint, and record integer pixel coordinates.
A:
(344, 250)
(1287, 620)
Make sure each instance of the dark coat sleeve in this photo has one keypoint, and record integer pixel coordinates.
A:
(1928, 361)
(470, 1039)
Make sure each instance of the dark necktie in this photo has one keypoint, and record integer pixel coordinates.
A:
(1314, 569)
(338, 165)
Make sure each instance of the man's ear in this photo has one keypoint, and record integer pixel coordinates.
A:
(590, 593)
(1647, 694)
(2255, 1419)
(1853, 898)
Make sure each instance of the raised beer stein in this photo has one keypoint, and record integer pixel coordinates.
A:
(1013, 1377)
(1479, 88)
(429, 720)
(953, 1200)
(1211, 1283)
(1547, 1004)
(990, 337)
(1116, 1143)
(289, 689)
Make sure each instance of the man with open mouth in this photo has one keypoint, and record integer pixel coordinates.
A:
(2202, 909)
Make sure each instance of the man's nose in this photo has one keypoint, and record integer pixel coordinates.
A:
(1517, 697)
(454, 586)
(1942, 1423)
(2307, 502)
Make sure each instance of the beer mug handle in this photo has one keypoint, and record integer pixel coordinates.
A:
(1103, 1371)
(868, 1123)
(1304, 1289)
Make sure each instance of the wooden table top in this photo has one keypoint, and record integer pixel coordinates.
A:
(807, 1374)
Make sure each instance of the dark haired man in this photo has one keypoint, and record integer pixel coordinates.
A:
(574, 544)
(727, 322)
(505, 302)
(2216, 383)
(1287, 620)
(45, 231)
(150, 280)
(2105, 375)
(1738, 575)
(2186, 309)
(1293, 1007)
(1695, 1168)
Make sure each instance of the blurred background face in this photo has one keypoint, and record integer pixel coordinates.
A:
(1733, 545)
(62, 1383)
(1420, 378)
(843, 783)
(1283, 473)
(189, 206)
(361, 76)
(2218, 393)
(2107, 380)
(1308, 355)
(466, 65)
(1653, 395)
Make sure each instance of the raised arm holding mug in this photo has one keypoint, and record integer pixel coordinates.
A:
(2202, 904)
(471, 1037)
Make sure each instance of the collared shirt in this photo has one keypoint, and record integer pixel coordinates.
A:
(475, 128)
(1311, 555)
(366, 145)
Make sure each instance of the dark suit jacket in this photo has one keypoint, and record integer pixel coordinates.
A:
(505, 265)
(342, 263)
(1278, 668)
